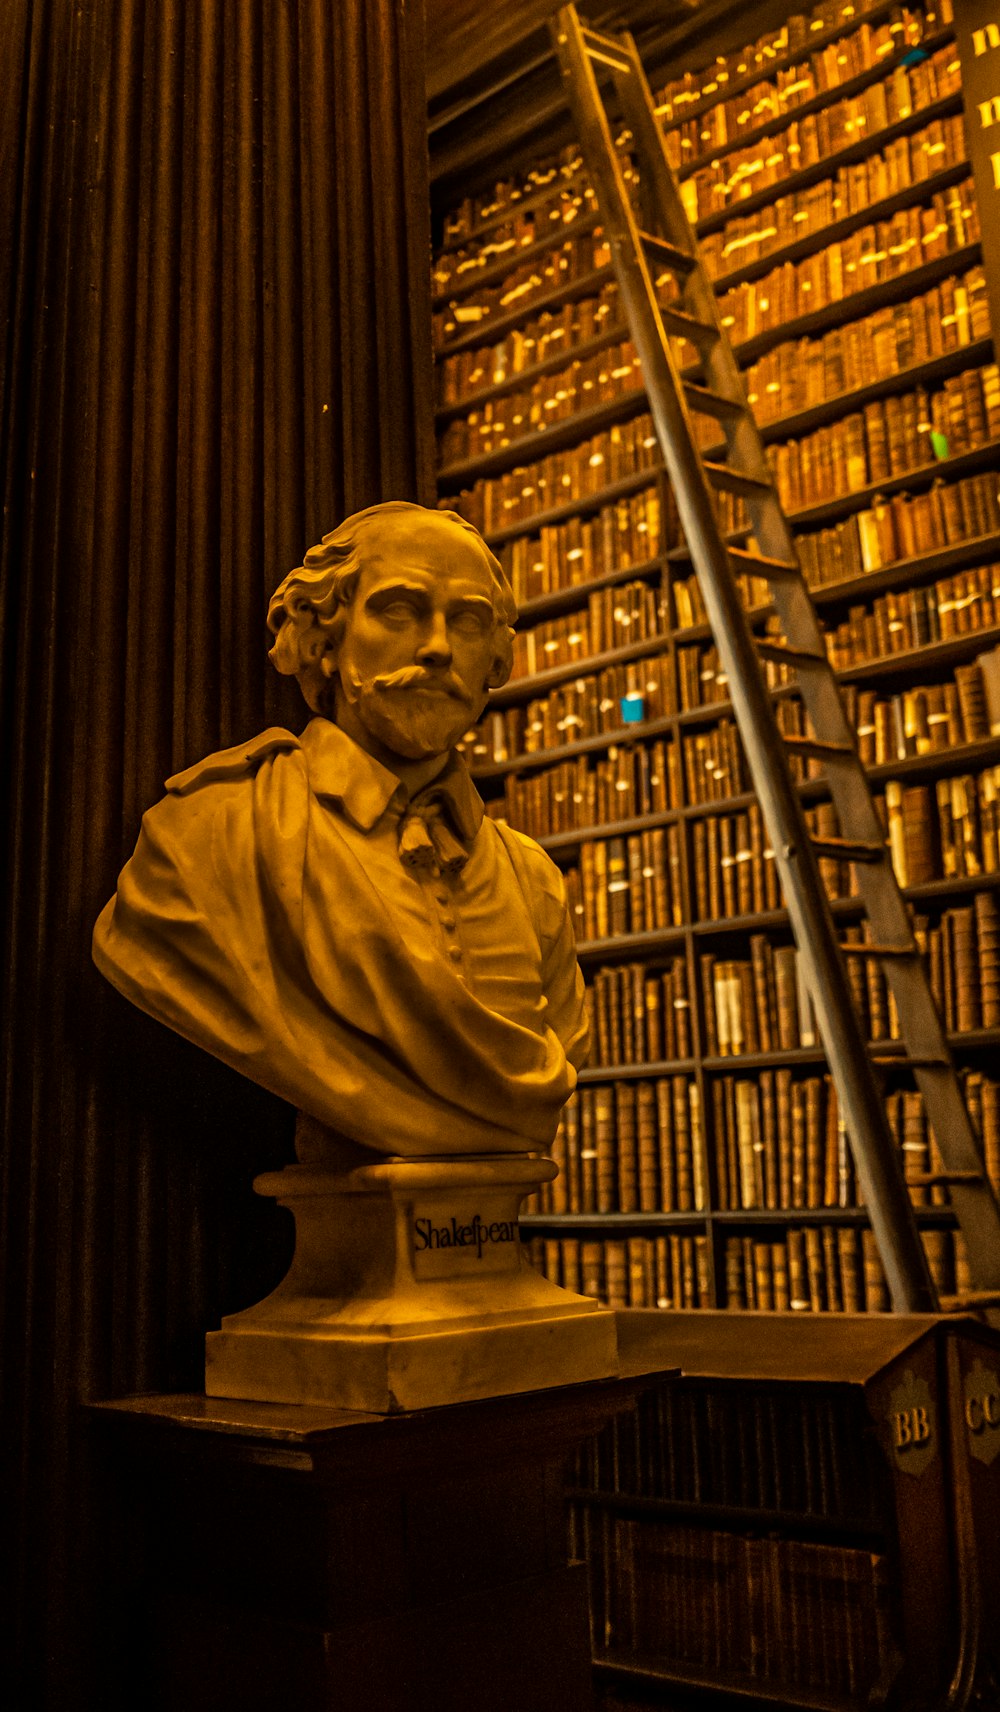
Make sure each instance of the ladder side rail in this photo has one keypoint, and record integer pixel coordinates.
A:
(959, 1146)
(879, 1167)
(722, 371)
(960, 1150)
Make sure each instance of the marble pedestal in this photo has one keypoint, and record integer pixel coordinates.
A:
(409, 1290)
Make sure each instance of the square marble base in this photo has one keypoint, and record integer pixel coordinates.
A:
(384, 1374)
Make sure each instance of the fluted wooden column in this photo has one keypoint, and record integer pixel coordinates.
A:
(214, 291)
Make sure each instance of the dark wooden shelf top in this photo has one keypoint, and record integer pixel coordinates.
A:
(564, 357)
(555, 437)
(843, 909)
(660, 1068)
(932, 369)
(569, 429)
(612, 1224)
(566, 843)
(561, 601)
(637, 947)
(782, 1058)
(734, 1517)
(526, 688)
(856, 304)
(577, 507)
(907, 573)
(898, 574)
(478, 279)
(583, 746)
(936, 763)
(560, 184)
(918, 190)
(630, 947)
(953, 650)
(492, 328)
(933, 1217)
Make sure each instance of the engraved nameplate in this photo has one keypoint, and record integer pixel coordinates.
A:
(446, 1244)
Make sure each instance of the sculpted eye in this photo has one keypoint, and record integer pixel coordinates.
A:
(398, 611)
(470, 623)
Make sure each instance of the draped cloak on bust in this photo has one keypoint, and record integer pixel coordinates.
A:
(266, 916)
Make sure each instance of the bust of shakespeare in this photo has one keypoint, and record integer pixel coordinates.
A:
(333, 915)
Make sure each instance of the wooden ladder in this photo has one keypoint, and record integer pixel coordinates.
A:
(662, 251)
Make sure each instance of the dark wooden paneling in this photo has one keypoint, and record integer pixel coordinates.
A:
(215, 313)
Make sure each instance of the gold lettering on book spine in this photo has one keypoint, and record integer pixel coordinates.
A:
(986, 38)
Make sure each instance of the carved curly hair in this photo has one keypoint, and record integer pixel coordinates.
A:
(307, 611)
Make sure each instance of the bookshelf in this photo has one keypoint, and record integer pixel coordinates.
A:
(789, 1523)
(703, 1162)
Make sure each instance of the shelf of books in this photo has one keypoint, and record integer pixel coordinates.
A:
(703, 1161)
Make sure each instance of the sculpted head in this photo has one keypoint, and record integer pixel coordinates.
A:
(397, 626)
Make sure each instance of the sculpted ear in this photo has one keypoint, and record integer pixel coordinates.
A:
(498, 673)
(503, 659)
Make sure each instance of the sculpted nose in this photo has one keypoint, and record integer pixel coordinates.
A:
(435, 649)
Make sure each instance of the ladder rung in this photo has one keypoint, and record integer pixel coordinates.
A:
(712, 403)
(786, 655)
(934, 1179)
(685, 326)
(914, 1061)
(682, 261)
(969, 1299)
(858, 948)
(735, 481)
(848, 849)
(819, 746)
(756, 565)
(606, 50)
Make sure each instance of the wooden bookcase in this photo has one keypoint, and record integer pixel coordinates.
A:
(704, 1164)
(790, 1522)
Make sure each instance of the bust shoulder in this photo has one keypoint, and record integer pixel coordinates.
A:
(241, 761)
(540, 878)
(529, 849)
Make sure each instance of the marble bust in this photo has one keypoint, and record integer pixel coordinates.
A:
(333, 914)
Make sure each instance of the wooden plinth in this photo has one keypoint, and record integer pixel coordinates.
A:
(311, 1558)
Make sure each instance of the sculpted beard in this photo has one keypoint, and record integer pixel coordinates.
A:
(414, 712)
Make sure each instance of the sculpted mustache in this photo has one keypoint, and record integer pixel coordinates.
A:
(414, 677)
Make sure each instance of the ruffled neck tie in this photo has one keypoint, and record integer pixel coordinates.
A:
(426, 841)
